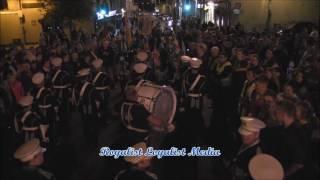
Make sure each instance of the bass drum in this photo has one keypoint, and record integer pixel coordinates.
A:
(160, 101)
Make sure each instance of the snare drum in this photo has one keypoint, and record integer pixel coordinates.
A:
(160, 101)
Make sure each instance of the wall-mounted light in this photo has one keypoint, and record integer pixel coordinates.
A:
(187, 7)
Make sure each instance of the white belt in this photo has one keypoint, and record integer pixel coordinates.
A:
(61, 87)
(45, 106)
(30, 128)
(102, 88)
(194, 95)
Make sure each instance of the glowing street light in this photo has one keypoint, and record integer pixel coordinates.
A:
(187, 7)
(103, 12)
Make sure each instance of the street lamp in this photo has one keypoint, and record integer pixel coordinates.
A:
(187, 7)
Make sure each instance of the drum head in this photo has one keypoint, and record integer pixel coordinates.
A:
(160, 101)
(165, 105)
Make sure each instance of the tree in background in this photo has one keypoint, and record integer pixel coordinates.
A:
(62, 12)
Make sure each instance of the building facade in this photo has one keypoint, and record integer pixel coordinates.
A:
(19, 22)
(259, 13)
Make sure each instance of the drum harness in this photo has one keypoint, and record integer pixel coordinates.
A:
(23, 119)
(96, 79)
(194, 96)
(127, 119)
(28, 130)
(77, 102)
(127, 114)
(58, 87)
(42, 107)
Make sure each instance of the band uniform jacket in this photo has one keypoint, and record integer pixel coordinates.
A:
(239, 164)
(134, 173)
(60, 84)
(193, 88)
(44, 103)
(34, 173)
(101, 83)
(85, 98)
(27, 125)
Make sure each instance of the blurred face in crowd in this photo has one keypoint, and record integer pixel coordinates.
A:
(234, 51)
(303, 113)
(222, 59)
(299, 77)
(288, 90)
(25, 67)
(33, 65)
(75, 56)
(80, 47)
(250, 76)
(253, 59)
(269, 100)
(39, 57)
(66, 58)
(105, 44)
(269, 54)
(200, 50)
(240, 55)
(12, 77)
(268, 73)
(215, 51)
(261, 87)
(283, 117)
(250, 139)
(280, 115)
(87, 59)
(46, 65)
(59, 49)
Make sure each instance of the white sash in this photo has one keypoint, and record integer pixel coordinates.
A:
(55, 76)
(39, 93)
(139, 84)
(24, 117)
(128, 118)
(96, 78)
(83, 88)
(195, 82)
(93, 54)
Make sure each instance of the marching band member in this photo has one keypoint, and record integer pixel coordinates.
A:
(85, 100)
(28, 124)
(44, 102)
(101, 83)
(60, 84)
(179, 66)
(45, 69)
(250, 135)
(139, 166)
(138, 120)
(192, 85)
(30, 154)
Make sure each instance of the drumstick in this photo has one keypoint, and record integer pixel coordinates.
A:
(93, 54)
